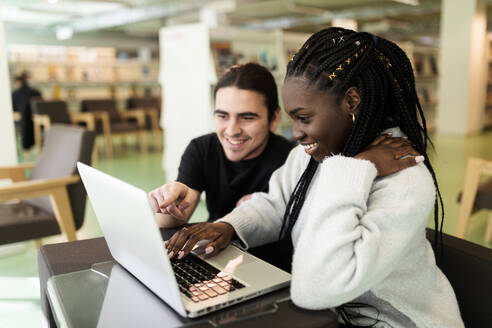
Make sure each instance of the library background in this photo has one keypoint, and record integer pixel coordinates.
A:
(140, 73)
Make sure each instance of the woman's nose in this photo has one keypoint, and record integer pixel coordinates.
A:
(297, 133)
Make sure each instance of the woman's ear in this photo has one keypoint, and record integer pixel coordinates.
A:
(351, 101)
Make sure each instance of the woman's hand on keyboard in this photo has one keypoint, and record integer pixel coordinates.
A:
(183, 242)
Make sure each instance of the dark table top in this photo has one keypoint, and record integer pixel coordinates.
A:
(56, 259)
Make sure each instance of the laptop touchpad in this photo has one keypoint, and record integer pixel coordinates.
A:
(231, 257)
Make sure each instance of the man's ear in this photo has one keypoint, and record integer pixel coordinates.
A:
(275, 120)
(351, 101)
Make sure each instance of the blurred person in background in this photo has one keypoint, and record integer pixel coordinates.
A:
(21, 101)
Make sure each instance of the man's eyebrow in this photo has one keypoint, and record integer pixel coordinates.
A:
(219, 111)
(248, 114)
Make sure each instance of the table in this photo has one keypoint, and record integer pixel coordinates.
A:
(70, 257)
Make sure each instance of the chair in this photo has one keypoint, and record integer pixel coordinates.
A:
(50, 112)
(475, 196)
(468, 268)
(151, 106)
(111, 122)
(53, 199)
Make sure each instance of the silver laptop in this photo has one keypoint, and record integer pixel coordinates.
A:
(192, 286)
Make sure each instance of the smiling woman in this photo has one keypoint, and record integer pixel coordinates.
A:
(353, 199)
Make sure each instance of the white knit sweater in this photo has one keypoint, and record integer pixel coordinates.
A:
(358, 238)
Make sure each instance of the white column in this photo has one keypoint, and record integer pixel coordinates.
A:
(463, 67)
(8, 155)
(187, 73)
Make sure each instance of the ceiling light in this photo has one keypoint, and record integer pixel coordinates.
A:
(409, 2)
(64, 33)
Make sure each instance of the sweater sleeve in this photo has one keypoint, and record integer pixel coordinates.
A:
(357, 230)
(258, 220)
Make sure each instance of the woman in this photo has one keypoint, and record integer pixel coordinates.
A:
(357, 227)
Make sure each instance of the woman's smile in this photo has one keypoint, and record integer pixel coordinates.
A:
(311, 148)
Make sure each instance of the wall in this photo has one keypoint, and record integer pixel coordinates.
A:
(8, 154)
(463, 65)
(186, 77)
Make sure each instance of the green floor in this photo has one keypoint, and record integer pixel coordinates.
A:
(19, 286)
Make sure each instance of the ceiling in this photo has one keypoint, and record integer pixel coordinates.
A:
(143, 18)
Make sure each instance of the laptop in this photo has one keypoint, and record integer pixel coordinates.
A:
(192, 286)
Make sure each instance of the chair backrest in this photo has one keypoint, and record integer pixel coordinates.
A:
(103, 105)
(64, 146)
(56, 110)
(145, 102)
(468, 267)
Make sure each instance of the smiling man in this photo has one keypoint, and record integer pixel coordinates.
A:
(235, 161)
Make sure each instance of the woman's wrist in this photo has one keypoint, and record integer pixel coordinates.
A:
(365, 156)
(228, 229)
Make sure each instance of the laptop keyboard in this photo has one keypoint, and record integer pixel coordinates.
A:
(200, 281)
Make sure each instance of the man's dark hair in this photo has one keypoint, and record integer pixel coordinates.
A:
(252, 77)
(336, 59)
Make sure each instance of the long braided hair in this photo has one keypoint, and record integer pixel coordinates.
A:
(336, 59)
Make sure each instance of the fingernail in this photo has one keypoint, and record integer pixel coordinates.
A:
(180, 255)
(171, 254)
(419, 159)
(405, 137)
(390, 133)
(209, 250)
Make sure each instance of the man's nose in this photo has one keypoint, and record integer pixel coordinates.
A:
(233, 127)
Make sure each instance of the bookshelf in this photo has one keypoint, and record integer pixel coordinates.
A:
(76, 73)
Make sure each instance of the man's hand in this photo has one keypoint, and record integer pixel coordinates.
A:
(175, 199)
(390, 155)
(218, 234)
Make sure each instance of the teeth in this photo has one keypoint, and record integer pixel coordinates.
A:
(236, 142)
(309, 146)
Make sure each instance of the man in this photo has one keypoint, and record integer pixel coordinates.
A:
(237, 159)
